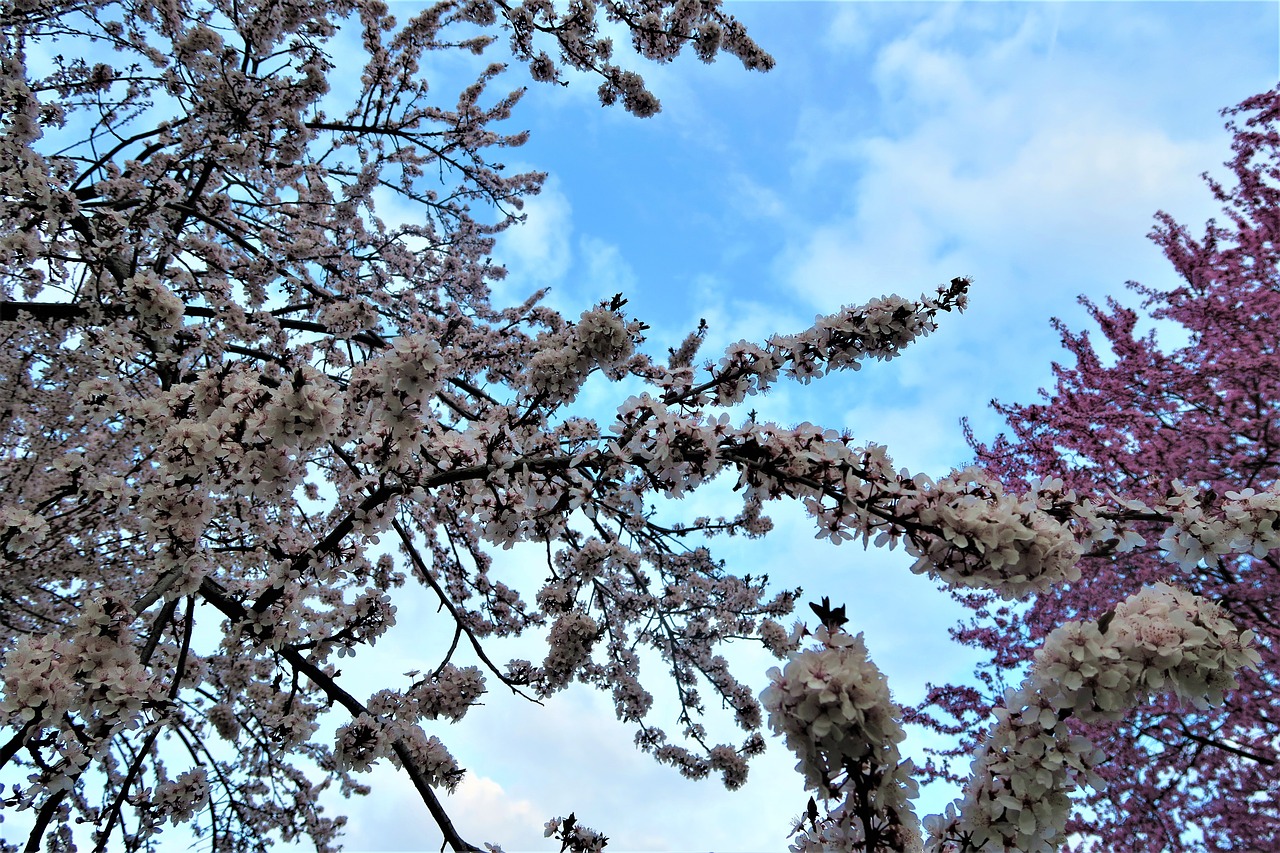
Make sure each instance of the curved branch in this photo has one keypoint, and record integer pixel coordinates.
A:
(211, 591)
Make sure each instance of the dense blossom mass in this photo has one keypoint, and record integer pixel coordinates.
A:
(834, 709)
(228, 385)
(1191, 429)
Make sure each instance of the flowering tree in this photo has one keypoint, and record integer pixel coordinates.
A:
(1193, 428)
(225, 378)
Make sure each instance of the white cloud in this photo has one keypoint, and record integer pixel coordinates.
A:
(538, 251)
(756, 199)
(734, 315)
(995, 178)
(572, 756)
(481, 809)
(605, 271)
(392, 818)
(1039, 179)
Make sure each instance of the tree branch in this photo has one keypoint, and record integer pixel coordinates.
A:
(210, 590)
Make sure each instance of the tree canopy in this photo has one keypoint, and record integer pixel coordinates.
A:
(226, 381)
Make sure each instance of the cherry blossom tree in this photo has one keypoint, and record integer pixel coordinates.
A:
(1193, 425)
(227, 383)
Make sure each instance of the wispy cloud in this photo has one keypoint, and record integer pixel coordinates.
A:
(539, 250)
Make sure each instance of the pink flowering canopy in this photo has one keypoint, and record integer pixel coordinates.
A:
(228, 384)
(1194, 428)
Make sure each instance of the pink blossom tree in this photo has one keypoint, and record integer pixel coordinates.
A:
(225, 379)
(1200, 421)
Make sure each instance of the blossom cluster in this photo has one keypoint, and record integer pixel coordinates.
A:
(399, 384)
(988, 538)
(304, 411)
(179, 798)
(571, 638)
(877, 330)
(681, 453)
(157, 309)
(832, 706)
(844, 829)
(449, 693)
(362, 741)
(1160, 640)
(563, 360)
(1201, 525)
(93, 672)
(1246, 522)
(20, 529)
(573, 836)
(1017, 798)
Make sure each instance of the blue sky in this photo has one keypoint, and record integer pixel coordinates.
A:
(895, 145)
